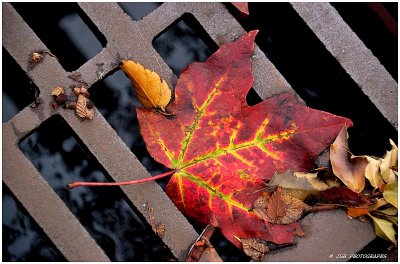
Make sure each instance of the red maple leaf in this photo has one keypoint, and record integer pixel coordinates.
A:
(222, 149)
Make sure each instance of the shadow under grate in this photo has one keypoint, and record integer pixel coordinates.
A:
(23, 239)
(104, 212)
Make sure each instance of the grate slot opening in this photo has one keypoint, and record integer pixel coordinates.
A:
(23, 239)
(112, 222)
(183, 42)
(137, 10)
(18, 90)
(65, 29)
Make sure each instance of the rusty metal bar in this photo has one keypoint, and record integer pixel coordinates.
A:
(358, 61)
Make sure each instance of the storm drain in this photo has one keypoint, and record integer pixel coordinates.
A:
(44, 149)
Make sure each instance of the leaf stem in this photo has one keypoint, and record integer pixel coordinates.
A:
(76, 184)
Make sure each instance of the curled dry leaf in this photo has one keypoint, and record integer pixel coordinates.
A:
(57, 91)
(254, 247)
(348, 168)
(372, 172)
(81, 108)
(279, 208)
(151, 90)
(384, 170)
(298, 184)
(388, 166)
(384, 229)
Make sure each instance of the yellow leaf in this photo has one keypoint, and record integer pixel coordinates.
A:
(390, 193)
(151, 90)
(372, 171)
(384, 229)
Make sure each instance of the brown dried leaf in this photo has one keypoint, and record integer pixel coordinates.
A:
(348, 168)
(260, 206)
(254, 247)
(279, 208)
(57, 91)
(81, 108)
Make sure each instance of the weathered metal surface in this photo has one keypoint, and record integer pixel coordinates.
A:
(353, 55)
(132, 39)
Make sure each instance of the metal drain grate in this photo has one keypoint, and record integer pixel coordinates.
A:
(128, 38)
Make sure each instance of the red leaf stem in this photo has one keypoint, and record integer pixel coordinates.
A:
(76, 184)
